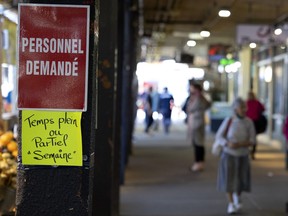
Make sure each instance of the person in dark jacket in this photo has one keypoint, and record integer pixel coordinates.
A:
(148, 109)
(255, 111)
(165, 107)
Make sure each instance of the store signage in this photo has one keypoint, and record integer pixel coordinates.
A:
(225, 61)
(247, 33)
(51, 138)
(53, 57)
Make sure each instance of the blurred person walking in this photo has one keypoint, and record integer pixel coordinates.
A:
(196, 107)
(165, 106)
(148, 108)
(155, 110)
(285, 133)
(255, 111)
(234, 165)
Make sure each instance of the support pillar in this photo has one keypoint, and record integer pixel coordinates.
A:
(63, 190)
(245, 74)
(128, 69)
(106, 182)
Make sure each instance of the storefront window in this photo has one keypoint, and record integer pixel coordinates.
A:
(279, 49)
(262, 87)
(263, 54)
(278, 87)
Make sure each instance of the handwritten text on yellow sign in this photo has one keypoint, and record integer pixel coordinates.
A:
(51, 138)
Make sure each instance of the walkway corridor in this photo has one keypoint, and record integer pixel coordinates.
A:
(158, 182)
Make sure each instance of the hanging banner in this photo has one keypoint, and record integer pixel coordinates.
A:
(53, 57)
(247, 33)
(51, 138)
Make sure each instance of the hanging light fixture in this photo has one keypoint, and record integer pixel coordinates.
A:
(205, 33)
(224, 13)
(278, 31)
(191, 43)
(252, 45)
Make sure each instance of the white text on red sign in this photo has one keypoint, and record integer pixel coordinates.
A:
(53, 45)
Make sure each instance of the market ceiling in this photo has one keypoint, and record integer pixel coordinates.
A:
(167, 23)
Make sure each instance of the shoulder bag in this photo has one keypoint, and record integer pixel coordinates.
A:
(217, 146)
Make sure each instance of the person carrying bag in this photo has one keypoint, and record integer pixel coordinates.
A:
(234, 164)
(219, 142)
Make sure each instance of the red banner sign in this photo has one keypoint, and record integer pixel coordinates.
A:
(53, 57)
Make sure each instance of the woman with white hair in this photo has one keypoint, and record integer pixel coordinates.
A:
(237, 134)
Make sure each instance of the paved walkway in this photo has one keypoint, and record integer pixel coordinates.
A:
(158, 182)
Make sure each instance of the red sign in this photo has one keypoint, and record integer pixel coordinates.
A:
(53, 57)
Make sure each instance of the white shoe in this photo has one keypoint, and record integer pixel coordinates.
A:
(237, 202)
(231, 208)
(238, 207)
(199, 166)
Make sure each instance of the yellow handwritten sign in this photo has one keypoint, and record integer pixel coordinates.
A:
(51, 138)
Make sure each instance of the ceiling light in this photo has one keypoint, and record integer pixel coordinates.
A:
(197, 73)
(180, 34)
(237, 64)
(191, 43)
(229, 56)
(169, 61)
(221, 68)
(224, 13)
(205, 33)
(252, 45)
(195, 36)
(278, 31)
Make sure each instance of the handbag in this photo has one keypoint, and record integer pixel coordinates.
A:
(261, 124)
(217, 146)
